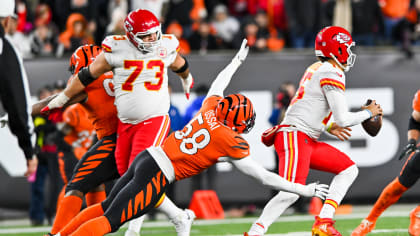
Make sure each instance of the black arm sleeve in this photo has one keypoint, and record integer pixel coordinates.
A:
(14, 95)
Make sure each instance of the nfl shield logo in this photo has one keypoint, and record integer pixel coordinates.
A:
(162, 52)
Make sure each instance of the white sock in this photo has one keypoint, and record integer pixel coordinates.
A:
(169, 208)
(274, 208)
(135, 224)
(338, 189)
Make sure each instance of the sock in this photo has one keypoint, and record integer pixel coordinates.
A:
(256, 229)
(169, 208)
(95, 197)
(68, 208)
(338, 189)
(391, 193)
(274, 208)
(135, 224)
(60, 197)
(85, 215)
(94, 227)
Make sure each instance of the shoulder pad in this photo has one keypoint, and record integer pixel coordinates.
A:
(112, 41)
(170, 42)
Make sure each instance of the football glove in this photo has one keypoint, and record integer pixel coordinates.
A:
(187, 84)
(4, 120)
(409, 148)
(57, 102)
(242, 53)
(313, 190)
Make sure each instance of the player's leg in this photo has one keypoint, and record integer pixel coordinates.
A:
(124, 143)
(95, 167)
(329, 159)
(294, 150)
(409, 175)
(136, 198)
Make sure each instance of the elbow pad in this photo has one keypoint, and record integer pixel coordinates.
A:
(183, 68)
(85, 76)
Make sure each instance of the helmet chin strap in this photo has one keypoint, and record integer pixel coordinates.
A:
(345, 68)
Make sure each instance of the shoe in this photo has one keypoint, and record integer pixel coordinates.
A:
(130, 232)
(246, 234)
(414, 228)
(257, 229)
(183, 222)
(324, 227)
(364, 228)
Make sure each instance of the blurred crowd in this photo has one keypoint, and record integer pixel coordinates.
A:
(56, 27)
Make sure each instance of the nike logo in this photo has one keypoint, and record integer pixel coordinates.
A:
(339, 74)
(147, 122)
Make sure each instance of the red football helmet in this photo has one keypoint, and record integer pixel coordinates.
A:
(335, 42)
(139, 23)
(83, 56)
(237, 112)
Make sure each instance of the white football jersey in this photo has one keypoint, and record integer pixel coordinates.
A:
(309, 111)
(140, 79)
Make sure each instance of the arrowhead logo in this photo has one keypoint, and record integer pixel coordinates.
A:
(341, 38)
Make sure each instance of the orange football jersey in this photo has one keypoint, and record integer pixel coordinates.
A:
(100, 105)
(80, 138)
(202, 142)
(416, 102)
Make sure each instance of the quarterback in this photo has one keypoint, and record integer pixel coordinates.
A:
(320, 96)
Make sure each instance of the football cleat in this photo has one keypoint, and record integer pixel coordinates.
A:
(364, 228)
(131, 232)
(183, 222)
(246, 234)
(324, 227)
(414, 228)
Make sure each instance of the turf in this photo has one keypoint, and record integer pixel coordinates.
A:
(293, 226)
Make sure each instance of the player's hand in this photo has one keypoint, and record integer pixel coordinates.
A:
(32, 165)
(4, 120)
(374, 108)
(312, 190)
(342, 133)
(187, 85)
(408, 149)
(242, 53)
(57, 102)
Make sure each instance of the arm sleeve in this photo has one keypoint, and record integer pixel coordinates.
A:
(15, 97)
(253, 169)
(338, 105)
(223, 79)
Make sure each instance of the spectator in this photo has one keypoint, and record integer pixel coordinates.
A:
(116, 26)
(367, 21)
(283, 97)
(268, 37)
(179, 10)
(18, 39)
(250, 32)
(176, 29)
(158, 7)
(202, 39)
(75, 34)
(394, 12)
(14, 90)
(226, 26)
(303, 17)
(43, 40)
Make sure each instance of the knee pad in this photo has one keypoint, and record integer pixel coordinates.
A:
(410, 172)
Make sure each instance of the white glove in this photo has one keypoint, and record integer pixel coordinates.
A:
(242, 53)
(57, 102)
(187, 84)
(4, 120)
(313, 190)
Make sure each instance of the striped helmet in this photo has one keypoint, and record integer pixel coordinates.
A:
(83, 56)
(237, 112)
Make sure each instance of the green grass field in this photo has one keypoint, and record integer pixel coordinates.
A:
(295, 225)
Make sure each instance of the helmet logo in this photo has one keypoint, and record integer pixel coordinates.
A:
(128, 26)
(341, 38)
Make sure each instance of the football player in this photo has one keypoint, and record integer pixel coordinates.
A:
(213, 135)
(140, 60)
(409, 175)
(320, 95)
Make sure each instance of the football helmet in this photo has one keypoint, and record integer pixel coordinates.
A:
(335, 42)
(140, 23)
(236, 112)
(83, 56)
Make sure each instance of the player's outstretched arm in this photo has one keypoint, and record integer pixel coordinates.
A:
(252, 168)
(223, 78)
(86, 76)
(36, 107)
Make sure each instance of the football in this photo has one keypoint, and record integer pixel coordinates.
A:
(372, 125)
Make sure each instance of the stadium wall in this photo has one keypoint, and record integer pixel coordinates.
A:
(385, 76)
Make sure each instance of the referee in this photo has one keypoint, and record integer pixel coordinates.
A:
(14, 90)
